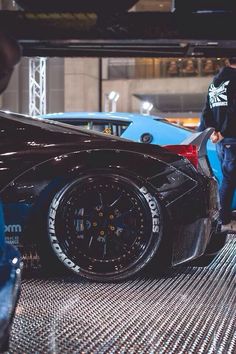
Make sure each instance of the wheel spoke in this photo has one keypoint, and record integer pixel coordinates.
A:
(79, 225)
(101, 200)
(82, 215)
(125, 213)
(80, 212)
(104, 250)
(127, 230)
(90, 241)
(116, 200)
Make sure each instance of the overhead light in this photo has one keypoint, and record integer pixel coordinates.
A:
(111, 100)
(146, 107)
(113, 96)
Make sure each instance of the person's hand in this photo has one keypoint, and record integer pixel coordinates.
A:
(220, 136)
(216, 137)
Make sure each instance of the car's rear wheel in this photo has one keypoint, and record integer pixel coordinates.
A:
(104, 226)
(103, 6)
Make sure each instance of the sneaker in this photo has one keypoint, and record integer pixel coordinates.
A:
(230, 228)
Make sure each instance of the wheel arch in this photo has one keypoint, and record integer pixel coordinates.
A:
(63, 168)
(50, 177)
(35, 185)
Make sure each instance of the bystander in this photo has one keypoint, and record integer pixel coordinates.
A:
(220, 113)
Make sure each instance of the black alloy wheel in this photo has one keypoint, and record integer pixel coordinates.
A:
(104, 226)
(99, 6)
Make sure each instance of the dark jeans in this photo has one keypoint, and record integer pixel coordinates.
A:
(226, 150)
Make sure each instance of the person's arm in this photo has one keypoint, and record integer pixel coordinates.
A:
(207, 119)
(228, 126)
(201, 126)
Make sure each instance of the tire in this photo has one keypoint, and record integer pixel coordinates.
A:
(102, 6)
(103, 226)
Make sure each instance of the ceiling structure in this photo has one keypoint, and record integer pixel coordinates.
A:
(149, 29)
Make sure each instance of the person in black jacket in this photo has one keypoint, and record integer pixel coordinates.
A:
(220, 113)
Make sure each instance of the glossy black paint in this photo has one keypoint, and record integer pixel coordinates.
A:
(38, 157)
(26, 142)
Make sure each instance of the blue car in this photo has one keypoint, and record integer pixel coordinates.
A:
(137, 127)
(9, 285)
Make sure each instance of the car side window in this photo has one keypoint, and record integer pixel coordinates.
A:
(116, 128)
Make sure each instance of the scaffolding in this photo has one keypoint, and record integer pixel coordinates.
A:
(37, 86)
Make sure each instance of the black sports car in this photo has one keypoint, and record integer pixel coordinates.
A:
(103, 206)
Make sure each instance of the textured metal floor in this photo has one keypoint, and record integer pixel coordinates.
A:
(190, 311)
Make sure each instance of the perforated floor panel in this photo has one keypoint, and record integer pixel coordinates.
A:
(189, 311)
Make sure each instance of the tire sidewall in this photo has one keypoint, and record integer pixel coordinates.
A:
(155, 213)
